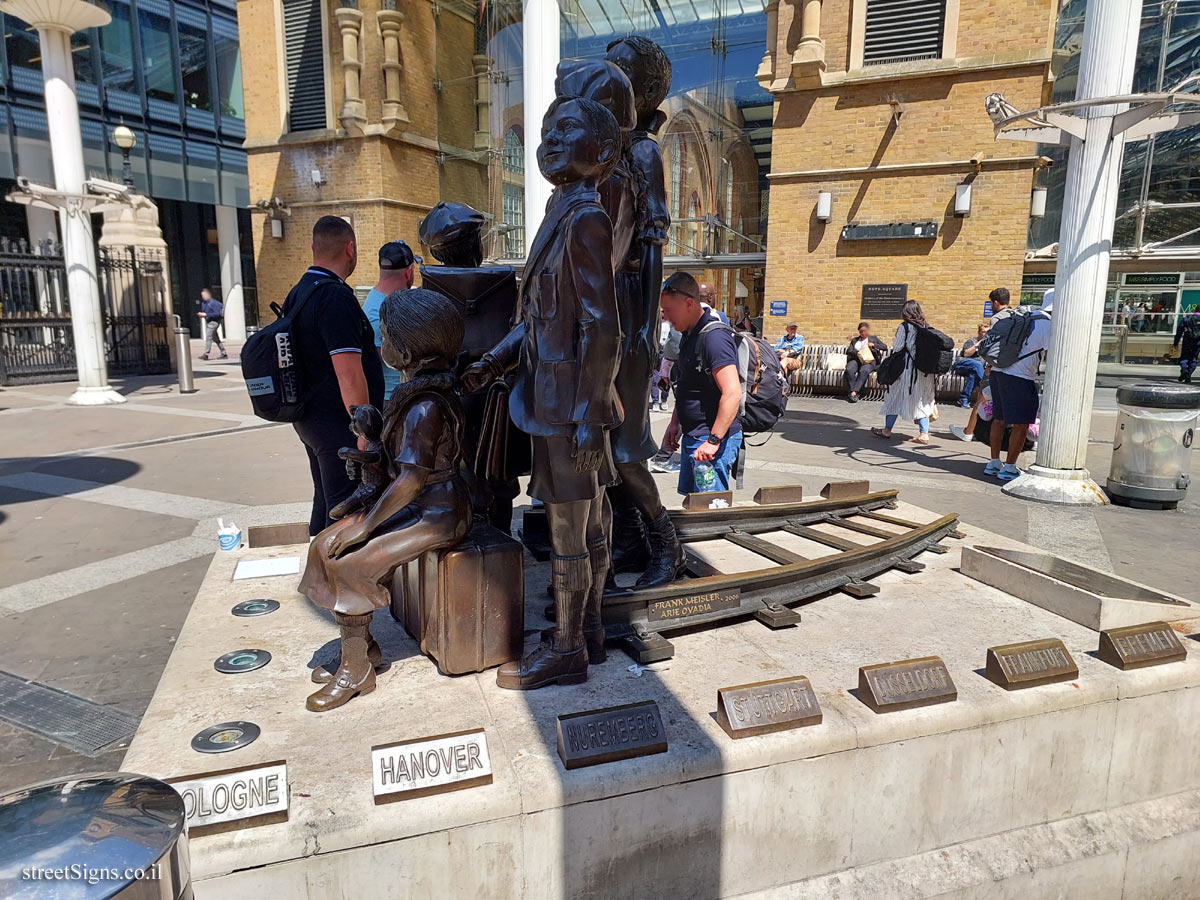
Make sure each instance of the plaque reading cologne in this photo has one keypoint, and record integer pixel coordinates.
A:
(607, 735)
(888, 687)
(447, 762)
(693, 605)
(251, 795)
(1030, 663)
(1134, 646)
(765, 706)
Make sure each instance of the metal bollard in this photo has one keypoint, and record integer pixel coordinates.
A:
(183, 354)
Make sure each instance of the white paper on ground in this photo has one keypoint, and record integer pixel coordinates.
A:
(265, 568)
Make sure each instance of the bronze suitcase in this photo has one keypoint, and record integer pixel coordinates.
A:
(465, 605)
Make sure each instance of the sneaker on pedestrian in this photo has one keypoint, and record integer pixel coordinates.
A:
(1008, 473)
(224, 356)
(660, 465)
(961, 433)
(993, 467)
(203, 356)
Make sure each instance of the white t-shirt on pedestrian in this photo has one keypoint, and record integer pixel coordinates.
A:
(1031, 351)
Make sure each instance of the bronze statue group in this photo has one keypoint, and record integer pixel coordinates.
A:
(563, 397)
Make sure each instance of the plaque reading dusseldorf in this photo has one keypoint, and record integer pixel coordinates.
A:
(1030, 663)
(765, 706)
(693, 605)
(252, 795)
(888, 687)
(446, 762)
(607, 735)
(1134, 646)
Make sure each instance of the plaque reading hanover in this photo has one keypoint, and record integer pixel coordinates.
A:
(607, 735)
(765, 706)
(888, 687)
(446, 762)
(883, 301)
(693, 605)
(1134, 646)
(1030, 663)
(249, 795)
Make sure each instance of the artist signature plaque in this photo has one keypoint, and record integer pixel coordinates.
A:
(607, 735)
(889, 687)
(248, 795)
(446, 762)
(765, 706)
(1030, 663)
(1134, 646)
(693, 605)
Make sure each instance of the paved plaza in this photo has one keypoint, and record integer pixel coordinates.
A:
(109, 519)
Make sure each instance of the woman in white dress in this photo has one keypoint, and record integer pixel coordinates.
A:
(911, 396)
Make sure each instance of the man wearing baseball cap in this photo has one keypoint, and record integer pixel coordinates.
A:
(396, 263)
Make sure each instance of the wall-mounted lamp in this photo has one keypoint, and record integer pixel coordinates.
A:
(1037, 203)
(962, 199)
(277, 229)
(824, 206)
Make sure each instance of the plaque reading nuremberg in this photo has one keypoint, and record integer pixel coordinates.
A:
(1030, 664)
(611, 734)
(1134, 646)
(694, 605)
(765, 706)
(447, 762)
(888, 687)
(883, 301)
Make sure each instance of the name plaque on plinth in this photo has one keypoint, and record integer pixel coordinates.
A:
(417, 768)
(762, 707)
(247, 795)
(779, 493)
(607, 735)
(1135, 646)
(693, 605)
(1030, 664)
(890, 687)
(844, 490)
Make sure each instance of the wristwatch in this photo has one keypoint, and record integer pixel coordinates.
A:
(713, 439)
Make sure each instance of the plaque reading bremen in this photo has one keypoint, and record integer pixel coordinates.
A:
(693, 605)
(1134, 646)
(607, 735)
(888, 687)
(447, 762)
(765, 706)
(252, 795)
(1030, 663)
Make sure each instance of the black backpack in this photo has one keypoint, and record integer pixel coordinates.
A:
(269, 364)
(934, 351)
(1002, 345)
(764, 389)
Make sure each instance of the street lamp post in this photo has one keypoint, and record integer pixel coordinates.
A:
(55, 23)
(125, 140)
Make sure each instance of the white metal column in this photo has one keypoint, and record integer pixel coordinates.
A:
(229, 248)
(540, 34)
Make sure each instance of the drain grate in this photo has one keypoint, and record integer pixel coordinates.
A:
(76, 723)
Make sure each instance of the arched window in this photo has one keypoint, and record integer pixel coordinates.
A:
(513, 158)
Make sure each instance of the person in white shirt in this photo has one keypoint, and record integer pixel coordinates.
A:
(1015, 394)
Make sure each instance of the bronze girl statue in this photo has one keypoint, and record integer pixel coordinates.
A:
(426, 506)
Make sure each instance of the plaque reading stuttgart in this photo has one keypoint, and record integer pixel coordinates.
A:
(694, 605)
(1030, 663)
(765, 706)
(607, 735)
(447, 762)
(1134, 646)
(889, 687)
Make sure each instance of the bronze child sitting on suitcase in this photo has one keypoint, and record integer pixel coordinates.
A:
(427, 504)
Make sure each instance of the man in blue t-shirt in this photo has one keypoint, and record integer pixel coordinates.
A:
(708, 388)
(396, 263)
(212, 314)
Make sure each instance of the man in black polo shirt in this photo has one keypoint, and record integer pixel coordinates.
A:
(708, 388)
(335, 349)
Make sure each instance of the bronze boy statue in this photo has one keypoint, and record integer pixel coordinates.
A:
(427, 505)
(566, 353)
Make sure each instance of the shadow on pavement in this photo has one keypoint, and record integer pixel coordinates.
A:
(103, 470)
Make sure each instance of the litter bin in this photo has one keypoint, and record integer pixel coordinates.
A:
(94, 837)
(1152, 447)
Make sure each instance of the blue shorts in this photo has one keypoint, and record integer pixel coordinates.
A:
(1014, 399)
(722, 462)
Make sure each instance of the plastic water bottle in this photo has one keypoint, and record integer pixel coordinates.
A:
(705, 476)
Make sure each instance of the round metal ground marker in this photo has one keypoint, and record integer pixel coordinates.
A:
(241, 661)
(225, 737)
(255, 608)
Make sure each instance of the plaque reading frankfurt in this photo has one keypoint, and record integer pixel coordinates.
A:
(607, 735)
(1134, 646)
(447, 762)
(693, 605)
(888, 687)
(765, 706)
(248, 795)
(1030, 663)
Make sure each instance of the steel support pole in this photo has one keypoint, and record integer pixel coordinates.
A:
(540, 35)
(1059, 474)
(230, 250)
